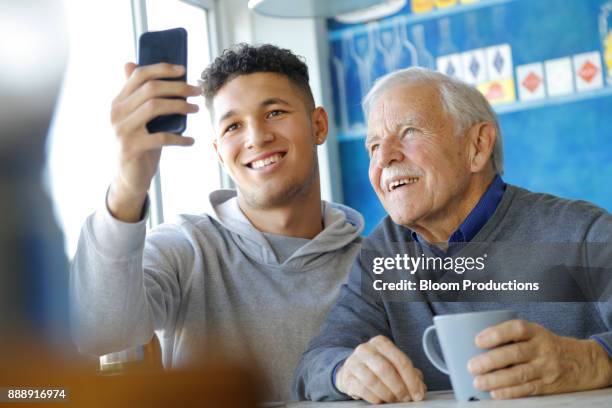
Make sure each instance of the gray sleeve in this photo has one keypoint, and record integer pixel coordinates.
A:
(599, 254)
(354, 319)
(121, 288)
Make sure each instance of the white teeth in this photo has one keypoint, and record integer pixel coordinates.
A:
(266, 162)
(394, 184)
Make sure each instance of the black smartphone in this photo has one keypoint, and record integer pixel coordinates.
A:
(165, 46)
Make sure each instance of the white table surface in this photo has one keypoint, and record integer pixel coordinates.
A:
(445, 399)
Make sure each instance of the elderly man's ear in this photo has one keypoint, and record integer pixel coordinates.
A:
(482, 137)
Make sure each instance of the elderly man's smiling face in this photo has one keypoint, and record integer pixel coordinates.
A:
(419, 168)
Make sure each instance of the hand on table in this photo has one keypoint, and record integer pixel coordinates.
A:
(527, 359)
(378, 371)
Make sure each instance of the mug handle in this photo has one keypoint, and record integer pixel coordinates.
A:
(430, 350)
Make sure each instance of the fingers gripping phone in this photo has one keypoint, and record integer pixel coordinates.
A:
(165, 46)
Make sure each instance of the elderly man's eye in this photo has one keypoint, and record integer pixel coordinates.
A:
(373, 148)
(409, 131)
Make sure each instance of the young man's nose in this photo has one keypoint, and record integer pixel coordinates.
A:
(258, 135)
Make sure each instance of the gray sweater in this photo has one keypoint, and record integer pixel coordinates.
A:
(209, 284)
(529, 237)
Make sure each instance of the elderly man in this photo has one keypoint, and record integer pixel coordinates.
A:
(436, 163)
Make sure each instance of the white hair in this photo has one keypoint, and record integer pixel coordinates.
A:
(464, 103)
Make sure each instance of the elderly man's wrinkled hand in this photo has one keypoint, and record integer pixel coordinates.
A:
(378, 371)
(527, 359)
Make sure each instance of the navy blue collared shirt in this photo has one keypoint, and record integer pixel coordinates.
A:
(475, 220)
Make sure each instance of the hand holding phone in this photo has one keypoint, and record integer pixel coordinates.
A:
(149, 92)
(165, 46)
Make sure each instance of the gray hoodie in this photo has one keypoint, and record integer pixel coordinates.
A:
(206, 281)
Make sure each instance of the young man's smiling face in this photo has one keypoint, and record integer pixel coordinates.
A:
(266, 137)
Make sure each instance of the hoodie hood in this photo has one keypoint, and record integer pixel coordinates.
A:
(342, 227)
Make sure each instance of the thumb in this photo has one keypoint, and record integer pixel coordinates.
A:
(128, 68)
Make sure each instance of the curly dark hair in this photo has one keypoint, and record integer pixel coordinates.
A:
(243, 59)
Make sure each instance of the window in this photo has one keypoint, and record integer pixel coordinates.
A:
(82, 153)
(82, 149)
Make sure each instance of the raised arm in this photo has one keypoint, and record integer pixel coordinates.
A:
(120, 291)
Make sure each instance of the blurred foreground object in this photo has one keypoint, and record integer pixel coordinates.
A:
(33, 266)
(215, 384)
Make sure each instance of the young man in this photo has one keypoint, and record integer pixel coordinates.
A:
(255, 276)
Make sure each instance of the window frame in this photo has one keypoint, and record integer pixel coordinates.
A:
(140, 25)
